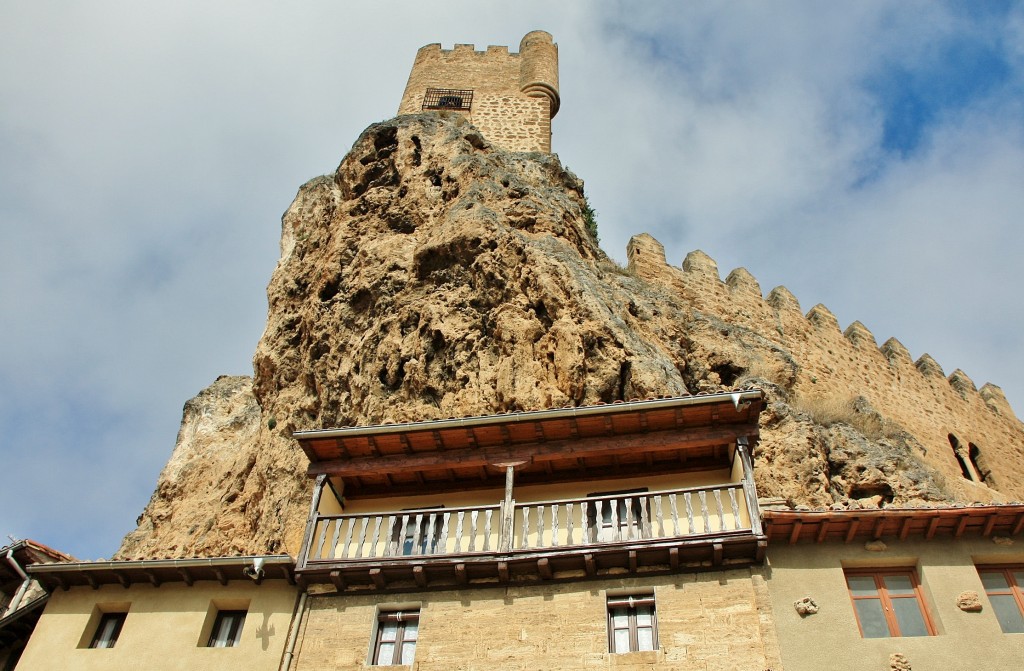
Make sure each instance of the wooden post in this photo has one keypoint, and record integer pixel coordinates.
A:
(748, 485)
(314, 507)
(507, 510)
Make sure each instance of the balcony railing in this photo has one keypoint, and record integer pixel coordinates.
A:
(560, 525)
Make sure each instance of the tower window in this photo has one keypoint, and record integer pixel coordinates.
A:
(448, 99)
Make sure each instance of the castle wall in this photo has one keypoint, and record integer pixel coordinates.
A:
(515, 95)
(915, 397)
(709, 621)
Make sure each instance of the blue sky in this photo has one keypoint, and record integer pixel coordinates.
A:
(868, 156)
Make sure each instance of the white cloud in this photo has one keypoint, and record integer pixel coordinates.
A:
(147, 151)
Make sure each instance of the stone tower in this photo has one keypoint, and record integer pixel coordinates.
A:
(510, 97)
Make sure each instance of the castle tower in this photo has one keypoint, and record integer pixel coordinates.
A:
(510, 97)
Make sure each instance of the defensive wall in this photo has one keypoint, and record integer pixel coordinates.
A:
(510, 97)
(970, 435)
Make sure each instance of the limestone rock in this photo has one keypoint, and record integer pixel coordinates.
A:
(434, 275)
(805, 606)
(969, 602)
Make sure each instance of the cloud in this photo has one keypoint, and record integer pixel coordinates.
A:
(147, 151)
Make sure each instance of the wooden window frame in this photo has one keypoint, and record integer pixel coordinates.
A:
(886, 599)
(234, 633)
(401, 617)
(1015, 588)
(632, 601)
(101, 641)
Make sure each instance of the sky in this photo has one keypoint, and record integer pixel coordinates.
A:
(868, 156)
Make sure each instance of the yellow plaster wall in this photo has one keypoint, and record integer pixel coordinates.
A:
(163, 628)
(706, 622)
(830, 638)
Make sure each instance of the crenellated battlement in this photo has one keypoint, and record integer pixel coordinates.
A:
(841, 363)
(512, 95)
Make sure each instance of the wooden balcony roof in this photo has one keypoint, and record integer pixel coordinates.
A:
(845, 526)
(665, 434)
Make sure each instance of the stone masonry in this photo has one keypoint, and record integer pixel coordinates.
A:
(515, 95)
(705, 621)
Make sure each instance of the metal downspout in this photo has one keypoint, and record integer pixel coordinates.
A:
(26, 581)
(289, 650)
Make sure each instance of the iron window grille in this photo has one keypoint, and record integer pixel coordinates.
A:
(448, 99)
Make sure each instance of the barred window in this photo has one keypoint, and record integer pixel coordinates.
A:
(448, 99)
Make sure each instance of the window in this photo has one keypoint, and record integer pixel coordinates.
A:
(632, 623)
(227, 629)
(1004, 586)
(416, 533)
(108, 630)
(396, 638)
(616, 516)
(888, 603)
(448, 99)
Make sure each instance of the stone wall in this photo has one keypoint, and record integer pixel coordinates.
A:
(515, 95)
(820, 364)
(708, 621)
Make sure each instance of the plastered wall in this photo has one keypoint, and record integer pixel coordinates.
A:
(707, 621)
(515, 95)
(830, 639)
(163, 628)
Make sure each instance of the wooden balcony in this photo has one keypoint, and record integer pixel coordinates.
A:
(620, 532)
(693, 528)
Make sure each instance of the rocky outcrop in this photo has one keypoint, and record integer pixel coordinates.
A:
(434, 275)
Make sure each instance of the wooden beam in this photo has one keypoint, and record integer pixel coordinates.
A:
(503, 574)
(662, 441)
(419, 575)
(186, 576)
(852, 531)
(905, 527)
(153, 579)
(673, 558)
(876, 533)
(1018, 526)
(378, 578)
(717, 554)
(460, 574)
(932, 526)
(961, 526)
(989, 523)
(591, 565)
(544, 568)
(221, 578)
(762, 550)
(795, 534)
(633, 563)
(338, 580)
(822, 531)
